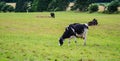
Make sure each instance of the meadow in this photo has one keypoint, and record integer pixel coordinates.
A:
(34, 37)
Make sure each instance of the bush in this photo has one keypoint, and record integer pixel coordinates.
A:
(82, 5)
(106, 11)
(93, 8)
(4, 8)
(10, 8)
(112, 7)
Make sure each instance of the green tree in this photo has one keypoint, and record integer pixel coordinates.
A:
(40, 5)
(1, 5)
(113, 6)
(82, 5)
(34, 5)
(20, 6)
(58, 5)
(93, 8)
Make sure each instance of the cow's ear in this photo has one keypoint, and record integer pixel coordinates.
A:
(66, 29)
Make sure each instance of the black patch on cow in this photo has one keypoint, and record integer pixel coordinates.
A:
(93, 22)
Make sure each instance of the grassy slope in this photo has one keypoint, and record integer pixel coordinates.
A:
(25, 37)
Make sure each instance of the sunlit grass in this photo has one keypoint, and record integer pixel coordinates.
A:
(29, 37)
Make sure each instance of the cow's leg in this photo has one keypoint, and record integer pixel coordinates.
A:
(85, 41)
(70, 39)
(75, 41)
(68, 42)
(85, 36)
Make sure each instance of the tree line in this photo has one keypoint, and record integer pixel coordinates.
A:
(12, 1)
(58, 5)
(41, 5)
(51, 5)
(68, 0)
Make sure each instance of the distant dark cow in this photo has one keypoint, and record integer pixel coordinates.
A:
(52, 15)
(93, 22)
(75, 30)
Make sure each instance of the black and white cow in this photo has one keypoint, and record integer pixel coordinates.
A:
(75, 30)
(93, 22)
(52, 15)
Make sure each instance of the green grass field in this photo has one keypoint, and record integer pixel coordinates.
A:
(34, 37)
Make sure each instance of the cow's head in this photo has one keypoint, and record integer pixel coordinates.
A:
(61, 41)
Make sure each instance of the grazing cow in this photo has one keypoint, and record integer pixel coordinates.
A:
(75, 30)
(52, 15)
(93, 22)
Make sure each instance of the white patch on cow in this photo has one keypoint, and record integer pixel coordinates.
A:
(72, 37)
(79, 35)
(86, 24)
(73, 30)
(59, 44)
